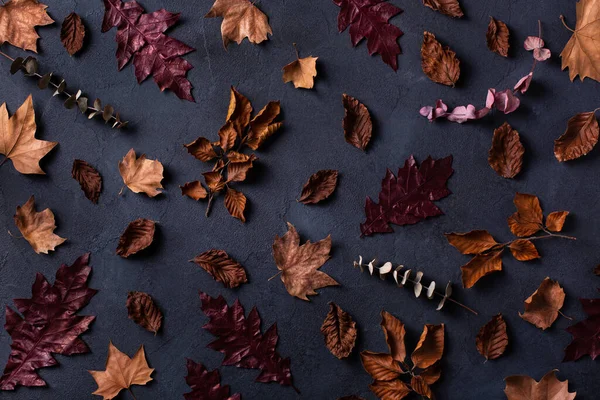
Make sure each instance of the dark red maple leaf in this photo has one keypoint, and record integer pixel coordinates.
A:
(141, 36)
(586, 334)
(206, 385)
(408, 198)
(48, 324)
(240, 339)
(369, 19)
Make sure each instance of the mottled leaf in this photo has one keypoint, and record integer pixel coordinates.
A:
(339, 331)
(319, 186)
(89, 179)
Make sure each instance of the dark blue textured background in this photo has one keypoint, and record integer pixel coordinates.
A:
(312, 139)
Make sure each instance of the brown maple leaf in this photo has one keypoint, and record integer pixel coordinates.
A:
(497, 37)
(222, 267)
(72, 33)
(580, 137)
(301, 72)
(143, 311)
(340, 331)
(121, 372)
(37, 227)
(319, 186)
(141, 175)
(17, 138)
(521, 387)
(492, 339)
(299, 265)
(447, 7)
(439, 63)
(241, 19)
(543, 306)
(506, 153)
(18, 19)
(357, 124)
(138, 235)
(89, 179)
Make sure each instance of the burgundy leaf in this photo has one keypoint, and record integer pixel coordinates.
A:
(48, 324)
(408, 198)
(206, 385)
(141, 36)
(586, 334)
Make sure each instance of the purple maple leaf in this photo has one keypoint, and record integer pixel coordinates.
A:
(586, 334)
(206, 385)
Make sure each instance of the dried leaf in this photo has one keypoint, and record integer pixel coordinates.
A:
(357, 124)
(521, 387)
(555, 220)
(121, 372)
(394, 333)
(369, 19)
(206, 385)
(580, 137)
(340, 331)
(528, 218)
(235, 202)
(202, 149)
(380, 366)
(390, 390)
(239, 112)
(227, 136)
(581, 54)
(89, 179)
(140, 36)
(214, 180)
(536, 44)
(409, 197)
(506, 153)
(17, 136)
(319, 186)
(18, 19)
(241, 19)
(48, 324)
(222, 268)
(474, 242)
(497, 37)
(586, 333)
(262, 126)
(432, 374)
(299, 265)
(241, 341)
(447, 7)
(543, 306)
(237, 170)
(419, 386)
(143, 311)
(492, 339)
(430, 347)
(481, 265)
(72, 33)
(194, 190)
(301, 72)
(37, 227)
(138, 235)
(439, 63)
(141, 175)
(524, 250)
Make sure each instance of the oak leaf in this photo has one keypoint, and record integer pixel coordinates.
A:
(138, 235)
(235, 203)
(357, 124)
(492, 339)
(481, 265)
(18, 19)
(222, 267)
(586, 333)
(48, 324)
(37, 227)
(543, 306)
(241, 19)
(581, 54)
(439, 63)
(121, 372)
(409, 197)
(194, 190)
(506, 153)
(299, 265)
(521, 387)
(369, 19)
(72, 33)
(89, 179)
(140, 174)
(523, 250)
(17, 138)
(447, 7)
(301, 72)
(143, 311)
(339, 331)
(556, 220)
(319, 186)
(205, 384)
(528, 218)
(497, 37)
(580, 137)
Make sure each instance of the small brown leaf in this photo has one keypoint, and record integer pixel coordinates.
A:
(419, 385)
(222, 268)
(138, 235)
(506, 153)
(556, 220)
(235, 202)
(194, 190)
(579, 139)
(380, 366)
(480, 266)
(301, 72)
(238, 170)
(497, 37)
(521, 387)
(143, 311)
(214, 180)
(439, 63)
(89, 179)
(430, 347)
(447, 7)
(140, 174)
(524, 250)
(227, 136)
(432, 374)
(528, 218)
(474, 242)
(390, 390)
(394, 333)
(262, 126)
(340, 331)
(542, 307)
(202, 149)
(239, 111)
(319, 186)
(37, 227)
(72, 33)
(357, 124)
(492, 339)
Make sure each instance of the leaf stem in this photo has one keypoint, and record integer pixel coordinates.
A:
(296, 49)
(562, 18)
(132, 395)
(274, 276)
(3, 161)
(210, 199)
(565, 316)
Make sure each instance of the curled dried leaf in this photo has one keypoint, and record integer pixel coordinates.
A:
(439, 63)
(202, 149)
(72, 33)
(481, 265)
(579, 139)
(447, 7)
(357, 124)
(89, 179)
(141, 175)
(506, 153)
(394, 332)
(474, 242)
(37, 227)
(492, 338)
(138, 235)
(143, 311)
(222, 267)
(543, 306)
(319, 186)
(497, 37)
(430, 347)
(556, 220)
(194, 190)
(339, 331)
(262, 126)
